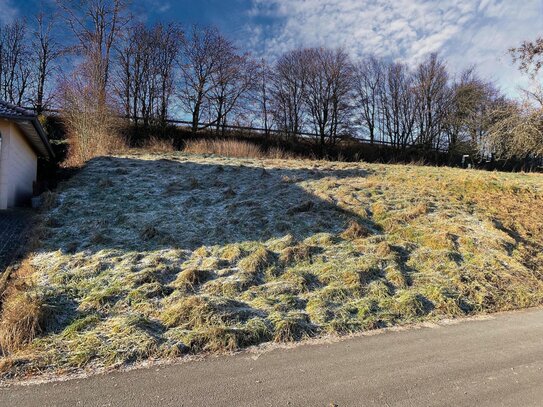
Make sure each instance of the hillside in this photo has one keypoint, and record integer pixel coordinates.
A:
(147, 256)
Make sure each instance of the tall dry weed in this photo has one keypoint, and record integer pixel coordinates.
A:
(92, 129)
(233, 148)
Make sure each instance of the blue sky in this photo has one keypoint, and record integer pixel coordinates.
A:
(465, 32)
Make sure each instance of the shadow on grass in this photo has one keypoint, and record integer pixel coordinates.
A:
(135, 205)
(118, 214)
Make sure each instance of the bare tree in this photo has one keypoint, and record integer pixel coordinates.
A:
(96, 25)
(46, 50)
(470, 117)
(434, 100)
(518, 129)
(15, 63)
(398, 106)
(146, 70)
(200, 56)
(517, 132)
(263, 95)
(368, 82)
(529, 55)
(327, 91)
(128, 65)
(232, 80)
(87, 109)
(169, 40)
(136, 87)
(289, 88)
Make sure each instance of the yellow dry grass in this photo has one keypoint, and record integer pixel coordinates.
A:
(179, 254)
(233, 148)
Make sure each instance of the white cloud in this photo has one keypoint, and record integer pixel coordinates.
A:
(7, 11)
(485, 42)
(164, 7)
(387, 27)
(466, 32)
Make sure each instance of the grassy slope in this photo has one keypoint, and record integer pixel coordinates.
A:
(148, 256)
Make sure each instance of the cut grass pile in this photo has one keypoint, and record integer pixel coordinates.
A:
(150, 256)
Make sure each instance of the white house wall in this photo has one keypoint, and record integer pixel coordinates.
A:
(18, 166)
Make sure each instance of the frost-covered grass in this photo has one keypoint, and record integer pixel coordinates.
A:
(158, 256)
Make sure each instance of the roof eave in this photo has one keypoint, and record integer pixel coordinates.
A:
(39, 129)
(37, 126)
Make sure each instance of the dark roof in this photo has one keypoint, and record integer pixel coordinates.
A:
(12, 111)
(30, 126)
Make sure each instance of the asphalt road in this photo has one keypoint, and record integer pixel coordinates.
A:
(491, 362)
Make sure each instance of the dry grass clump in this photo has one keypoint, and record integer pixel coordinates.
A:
(383, 250)
(413, 212)
(396, 276)
(115, 341)
(234, 148)
(197, 311)
(191, 278)
(231, 286)
(303, 207)
(226, 148)
(174, 188)
(445, 300)
(408, 305)
(276, 153)
(228, 338)
(355, 230)
(49, 200)
(231, 253)
(23, 311)
(211, 254)
(81, 324)
(149, 232)
(379, 210)
(21, 321)
(292, 326)
(158, 145)
(257, 261)
(296, 254)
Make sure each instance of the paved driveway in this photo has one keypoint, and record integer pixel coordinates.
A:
(14, 233)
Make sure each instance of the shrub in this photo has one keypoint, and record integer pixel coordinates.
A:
(92, 130)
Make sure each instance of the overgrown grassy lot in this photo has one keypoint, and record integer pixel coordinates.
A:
(158, 256)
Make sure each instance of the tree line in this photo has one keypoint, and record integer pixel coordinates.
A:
(94, 61)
